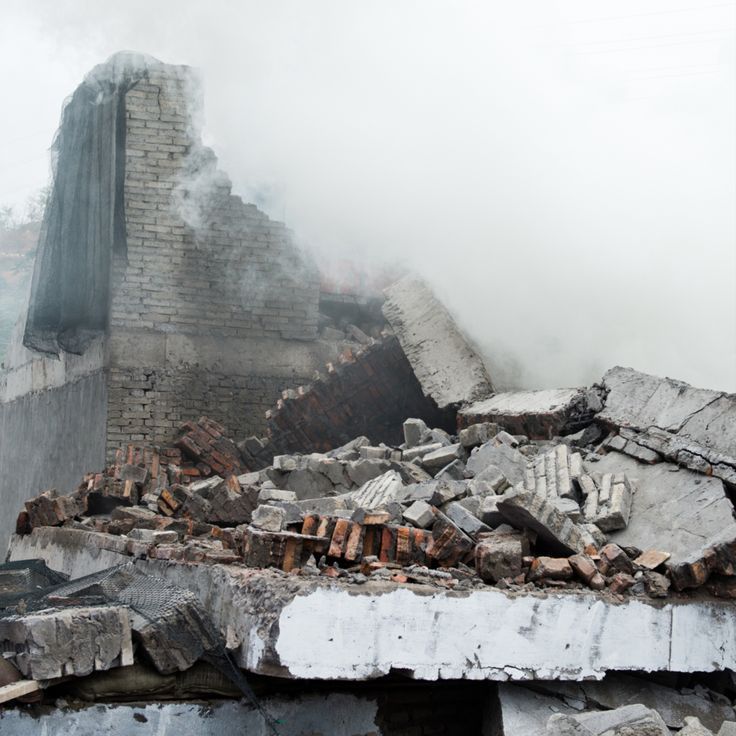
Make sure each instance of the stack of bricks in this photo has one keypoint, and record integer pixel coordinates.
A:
(348, 543)
(369, 391)
(205, 441)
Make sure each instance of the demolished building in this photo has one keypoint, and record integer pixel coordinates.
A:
(388, 546)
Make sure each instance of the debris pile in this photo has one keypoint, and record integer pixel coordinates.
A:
(483, 507)
(384, 475)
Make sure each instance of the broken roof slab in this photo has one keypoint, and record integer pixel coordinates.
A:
(449, 369)
(300, 627)
(537, 414)
(673, 509)
(691, 426)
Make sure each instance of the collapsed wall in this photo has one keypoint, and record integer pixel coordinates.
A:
(157, 294)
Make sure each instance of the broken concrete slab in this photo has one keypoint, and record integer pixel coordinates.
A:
(449, 369)
(553, 636)
(523, 509)
(677, 511)
(69, 641)
(690, 426)
(539, 415)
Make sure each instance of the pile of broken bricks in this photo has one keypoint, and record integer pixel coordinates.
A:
(483, 507)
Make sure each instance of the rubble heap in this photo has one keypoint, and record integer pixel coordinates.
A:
(545, 504)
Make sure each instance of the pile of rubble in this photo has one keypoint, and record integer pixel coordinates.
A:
(483, 507)
(612, 497)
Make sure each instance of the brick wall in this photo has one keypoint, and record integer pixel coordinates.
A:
(200, 263)
(147, 405)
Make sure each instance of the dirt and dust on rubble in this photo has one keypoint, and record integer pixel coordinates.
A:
(398, 464)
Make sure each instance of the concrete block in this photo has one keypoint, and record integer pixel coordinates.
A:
(478, 434)
(420, 451)
(70, 641)
(618, 689)
(142, 535)
(499, 555)
(420, 514)
(375, 453)
(268, 518)
(488, 512)
(274, 494)
(443, 456)
(361, 471)
(452, 471)
(305, 483)
(464, 519)
(415, 431)
(628, 720)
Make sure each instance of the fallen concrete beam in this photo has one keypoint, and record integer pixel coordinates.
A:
(536, 414)
(448, 368)
(691, 426)
(677, 511)
(299, 627)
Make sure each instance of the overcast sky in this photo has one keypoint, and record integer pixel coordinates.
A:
(562, 171)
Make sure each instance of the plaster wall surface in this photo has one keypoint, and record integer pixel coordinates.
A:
(311, 715)
(49, 439)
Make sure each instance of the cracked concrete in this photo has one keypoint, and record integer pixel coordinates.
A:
(690, 426)
(298, 627)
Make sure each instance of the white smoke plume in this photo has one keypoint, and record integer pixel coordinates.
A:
(562, 172)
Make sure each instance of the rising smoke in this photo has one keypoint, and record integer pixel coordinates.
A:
(571, 218)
